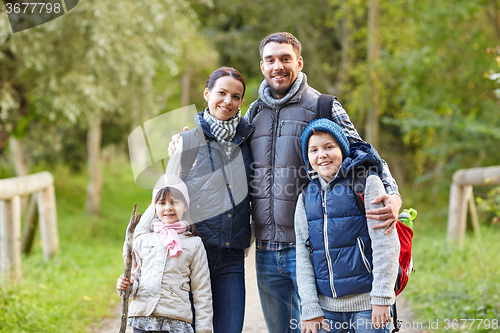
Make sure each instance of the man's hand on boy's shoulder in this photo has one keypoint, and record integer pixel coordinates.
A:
(389, 213)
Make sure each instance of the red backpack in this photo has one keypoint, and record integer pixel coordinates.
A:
(405, 235)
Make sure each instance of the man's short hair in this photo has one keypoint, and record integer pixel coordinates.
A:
(280, 38)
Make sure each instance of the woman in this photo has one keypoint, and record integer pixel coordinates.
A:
(218, 178)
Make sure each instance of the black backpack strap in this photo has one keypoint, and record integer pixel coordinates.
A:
(325, 105)
(191, 140)
(253, 111)
(358, 188)
(395, 318)
(308, 240)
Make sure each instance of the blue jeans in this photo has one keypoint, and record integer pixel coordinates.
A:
(227, 275)
(278, 291)
(352, 322)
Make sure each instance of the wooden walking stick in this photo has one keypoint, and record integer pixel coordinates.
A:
(129, 238)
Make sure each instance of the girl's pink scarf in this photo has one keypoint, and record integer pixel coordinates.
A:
(170, 237)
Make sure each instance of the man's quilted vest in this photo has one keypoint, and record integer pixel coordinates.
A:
(279, 171)
(219, 190)
(338, 233)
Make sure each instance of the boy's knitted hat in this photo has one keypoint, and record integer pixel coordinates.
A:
(169, 180)
(329, 127)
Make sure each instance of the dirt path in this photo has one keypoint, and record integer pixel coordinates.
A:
(254, 319)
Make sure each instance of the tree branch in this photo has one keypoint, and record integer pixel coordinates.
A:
(129, 238)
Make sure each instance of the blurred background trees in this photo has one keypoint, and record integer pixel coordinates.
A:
(413, 71)
(425, 74)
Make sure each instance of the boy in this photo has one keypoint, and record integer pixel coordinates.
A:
(346, 270)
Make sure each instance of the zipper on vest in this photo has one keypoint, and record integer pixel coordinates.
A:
(273, 168)
(280, 127)
(361, 246)
(228, 229)
(327, 252)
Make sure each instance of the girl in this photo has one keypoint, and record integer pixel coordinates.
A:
(168, 263)
(214, 160)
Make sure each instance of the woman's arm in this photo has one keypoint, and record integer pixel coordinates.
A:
(174, 162)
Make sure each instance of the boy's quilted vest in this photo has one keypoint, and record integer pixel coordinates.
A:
(341, 246)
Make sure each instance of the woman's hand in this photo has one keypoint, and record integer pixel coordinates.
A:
(312, 326)
(123, 283)
(381, 315)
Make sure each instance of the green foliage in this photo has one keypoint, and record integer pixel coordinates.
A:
(490, 205)
(237, 28)
(493, 75)
(103, 59)
(77, 288)
(435, 88)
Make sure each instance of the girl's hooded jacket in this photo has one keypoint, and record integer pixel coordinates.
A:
(162, 283)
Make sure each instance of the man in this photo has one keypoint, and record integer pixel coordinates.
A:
(286, 104)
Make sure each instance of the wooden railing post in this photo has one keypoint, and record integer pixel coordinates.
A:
(48, 222)
(456, 225)
(11, 190)
(461, 196)
(10, 239)
(30, 225)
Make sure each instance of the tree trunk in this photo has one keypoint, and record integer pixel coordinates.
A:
(372, 117)
(345, 55)
(492, 10)
(185, 89)
(17, 157)
(16, 154)
(95, 174)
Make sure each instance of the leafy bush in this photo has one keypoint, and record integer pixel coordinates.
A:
(490, 205)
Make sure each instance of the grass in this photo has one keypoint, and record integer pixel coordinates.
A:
(451, 283)
(77, 288)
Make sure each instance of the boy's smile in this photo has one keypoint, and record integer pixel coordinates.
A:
(324, 154)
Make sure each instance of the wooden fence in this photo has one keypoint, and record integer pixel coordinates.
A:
(41, 186)
(462, 198)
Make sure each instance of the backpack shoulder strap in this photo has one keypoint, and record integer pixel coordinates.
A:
(325, 105)
(190, 145)
(308, 240)
(253, 111)
(358, 188)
